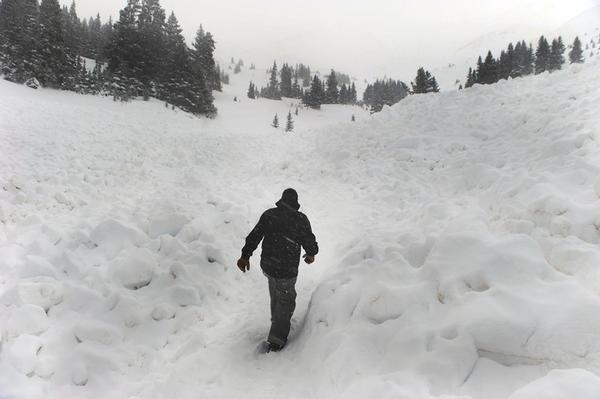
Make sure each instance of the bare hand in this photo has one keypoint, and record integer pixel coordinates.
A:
(309, 259)
(243, 264)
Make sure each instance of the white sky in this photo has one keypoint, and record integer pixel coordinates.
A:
(361, 37)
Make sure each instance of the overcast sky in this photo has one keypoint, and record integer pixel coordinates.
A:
(365, 37)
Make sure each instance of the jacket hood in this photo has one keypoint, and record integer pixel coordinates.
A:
(289, 199)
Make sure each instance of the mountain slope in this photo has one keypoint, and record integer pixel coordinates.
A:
(459, 237)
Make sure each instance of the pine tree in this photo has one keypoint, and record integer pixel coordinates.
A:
(251, 91)
(542, 54)
(344, 95)
(518, 60)
(432, 86)
(289, 126)
(529, 66)
(275, 122)
(504, 65)
(387, 92)
(353, 94)
(353, 119)
(286, 81)
(72, 29)
(296, 89)
(576, 53)
(203, 57)
(315, 95)
(420, 85)
(487, 72)
(470, 79)
(511, 61)
(19, 34)
(556, 55)
(54, 60)
(124, 53)
(272, 90)
(153, 65)
(332, 94)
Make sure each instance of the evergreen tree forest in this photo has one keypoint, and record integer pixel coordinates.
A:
(384, 92)
(292, 81)
(522, 60)
(143, 54)
(329, 92)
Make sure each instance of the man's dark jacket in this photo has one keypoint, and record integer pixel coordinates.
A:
(283, 230)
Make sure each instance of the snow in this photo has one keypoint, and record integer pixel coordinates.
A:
(459, 237)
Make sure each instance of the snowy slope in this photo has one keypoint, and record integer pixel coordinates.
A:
(459, 237)
(551, 20)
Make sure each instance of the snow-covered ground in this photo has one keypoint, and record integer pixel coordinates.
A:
(460, 241)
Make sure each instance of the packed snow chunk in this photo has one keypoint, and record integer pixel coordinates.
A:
(192, 231)
(43, 292)
(37, 266)
(91, 330)
(27, 319)
(163, 311)
(171, 246)
(112, 237)
(133, 268)
(562, 384)
(170, 224)
(22, 353)
(79, 375)
(184, 295)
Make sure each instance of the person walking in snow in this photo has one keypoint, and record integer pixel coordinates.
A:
(283, 231)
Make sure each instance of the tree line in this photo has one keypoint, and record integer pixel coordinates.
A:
(329, 92)
(286, 83)
(390, 91)
(521, 60)
(144, 51)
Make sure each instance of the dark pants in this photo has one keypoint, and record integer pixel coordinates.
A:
(283, 303)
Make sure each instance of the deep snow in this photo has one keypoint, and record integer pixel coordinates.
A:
(459, 237)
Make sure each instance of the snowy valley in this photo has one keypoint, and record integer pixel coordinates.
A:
(460, 238)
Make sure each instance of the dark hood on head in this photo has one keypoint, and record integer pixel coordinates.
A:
(289, 199)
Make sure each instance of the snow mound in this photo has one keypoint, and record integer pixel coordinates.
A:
(167, 224)
(560, 384)
(133, 268)
(42, 291)
(112, 236)
(27, 319)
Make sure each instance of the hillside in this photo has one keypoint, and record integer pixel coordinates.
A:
(459, 237)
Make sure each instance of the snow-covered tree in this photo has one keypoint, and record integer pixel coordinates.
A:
(556, 55)
(286, 81)
(272, 90)
(203, 55)
(385, 92)
(332, 93)
(251, 91)
(289, 126)
(315, 96)
(424, 82)
(542, 56)
(576, 53)
(54, 60)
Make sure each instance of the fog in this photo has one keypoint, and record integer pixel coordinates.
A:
(365, 38)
